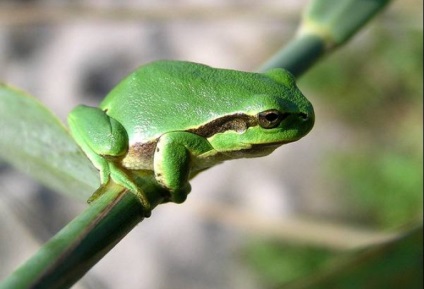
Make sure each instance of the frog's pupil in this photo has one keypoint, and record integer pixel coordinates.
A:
(271, 117)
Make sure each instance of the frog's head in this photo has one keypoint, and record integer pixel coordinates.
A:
(276, 114)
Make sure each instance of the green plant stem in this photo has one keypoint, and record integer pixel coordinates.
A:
(300, 54)
(83, 242)
(325, 25)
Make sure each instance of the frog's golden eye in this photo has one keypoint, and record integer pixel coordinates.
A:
(271, 118)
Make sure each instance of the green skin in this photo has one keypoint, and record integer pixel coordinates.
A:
(173, 119)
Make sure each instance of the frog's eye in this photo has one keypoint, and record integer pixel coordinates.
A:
(271, 118)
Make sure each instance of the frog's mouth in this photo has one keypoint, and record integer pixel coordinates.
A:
(258, 150)
(273, 145)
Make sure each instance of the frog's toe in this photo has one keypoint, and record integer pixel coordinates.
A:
(180, 195)
(99, 192)
(179, 198)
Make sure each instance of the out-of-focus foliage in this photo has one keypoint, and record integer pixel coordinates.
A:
(395, 264)
(277, 264)
(379, 99)
(373, 89)
(30, 132)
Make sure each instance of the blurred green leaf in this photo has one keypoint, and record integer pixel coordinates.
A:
(382, 187)
(33, 140)
(393, 265)
(279, 263)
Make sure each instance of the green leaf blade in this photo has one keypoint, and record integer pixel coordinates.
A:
(33, 140)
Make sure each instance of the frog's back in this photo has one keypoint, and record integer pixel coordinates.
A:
(169, 96)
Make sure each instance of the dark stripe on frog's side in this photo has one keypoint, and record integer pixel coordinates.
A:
(140, 155)
(237, 122)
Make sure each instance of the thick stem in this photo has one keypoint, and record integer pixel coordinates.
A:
(82, 243)
(300, 54)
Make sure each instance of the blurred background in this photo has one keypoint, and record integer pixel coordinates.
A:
(356, 179)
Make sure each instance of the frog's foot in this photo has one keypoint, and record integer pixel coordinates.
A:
(147, 210)
(120, 177)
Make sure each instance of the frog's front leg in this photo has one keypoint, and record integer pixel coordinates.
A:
(105, 142)
(173, 159)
